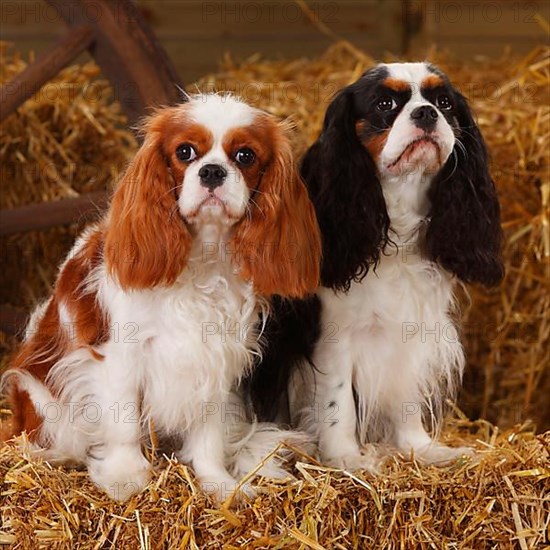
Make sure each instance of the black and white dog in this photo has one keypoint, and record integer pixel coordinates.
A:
(400, 182)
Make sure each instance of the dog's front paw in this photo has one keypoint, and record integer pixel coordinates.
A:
(121, 471)
(439, 454)
(366, 459)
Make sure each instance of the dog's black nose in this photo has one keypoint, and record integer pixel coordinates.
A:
(425, 117)
(212, 175)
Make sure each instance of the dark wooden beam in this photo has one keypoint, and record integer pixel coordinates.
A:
(28, 82)
(128, 53)
(53, 213)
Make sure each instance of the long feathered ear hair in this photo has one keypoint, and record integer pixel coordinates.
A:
(147, 242)
(464, 234)
(278, 245)
(343, 183)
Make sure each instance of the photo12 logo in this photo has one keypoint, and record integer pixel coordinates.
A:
(229, 331)
(37, 11)
(268, 12)
(472, 12)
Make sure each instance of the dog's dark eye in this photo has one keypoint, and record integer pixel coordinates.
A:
(186, 153)
(245, 156)
(386, 103)
(444, 103)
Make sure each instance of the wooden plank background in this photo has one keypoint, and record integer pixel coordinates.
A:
(197, 34)
(479, 27)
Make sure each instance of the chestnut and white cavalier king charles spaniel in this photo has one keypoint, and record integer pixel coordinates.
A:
(407, 209)
(157, 311)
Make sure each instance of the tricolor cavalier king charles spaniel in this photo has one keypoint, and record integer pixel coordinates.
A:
(400, 182)
(156, 313)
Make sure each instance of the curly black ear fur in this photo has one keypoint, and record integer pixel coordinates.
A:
(343, 184)
(464, 234)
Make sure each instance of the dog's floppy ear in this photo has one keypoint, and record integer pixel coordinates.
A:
(343, 184)
(147, 242)
(278, 245)
(464, 234)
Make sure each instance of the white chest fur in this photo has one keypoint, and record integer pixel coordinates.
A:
(395, 329)
(403, 289)
(188, 343)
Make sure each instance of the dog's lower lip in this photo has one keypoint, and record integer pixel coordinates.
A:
(212, 200)
(417, 141)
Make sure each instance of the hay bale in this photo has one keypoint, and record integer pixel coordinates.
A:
(499, 502)
(70, 138)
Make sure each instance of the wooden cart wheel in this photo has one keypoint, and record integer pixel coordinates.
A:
(124, 46)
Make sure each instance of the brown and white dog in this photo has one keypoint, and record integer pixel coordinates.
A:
(210, 219)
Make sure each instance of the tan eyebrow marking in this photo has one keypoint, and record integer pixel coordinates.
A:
(432, 81)
(396, 84)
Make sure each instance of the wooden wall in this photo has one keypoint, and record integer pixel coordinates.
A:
(197, 34)
(273, 28)
(478, 27)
